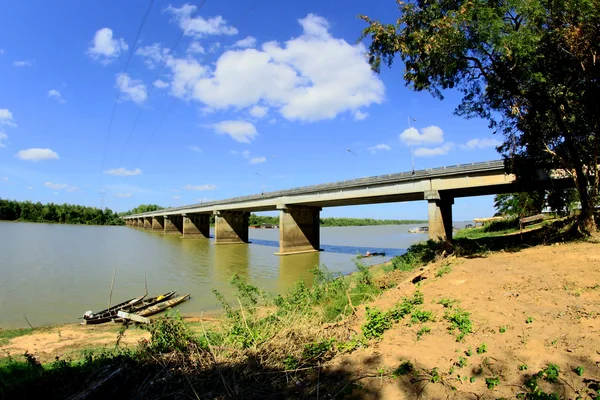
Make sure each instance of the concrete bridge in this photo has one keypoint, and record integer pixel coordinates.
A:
(300, 207)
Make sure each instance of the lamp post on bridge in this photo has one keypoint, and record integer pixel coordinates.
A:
(262, 183)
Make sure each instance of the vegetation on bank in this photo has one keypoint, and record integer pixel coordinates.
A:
(266, 345)
(256, 220)
(12, 210)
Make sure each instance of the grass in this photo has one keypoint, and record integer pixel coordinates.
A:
(6, 335)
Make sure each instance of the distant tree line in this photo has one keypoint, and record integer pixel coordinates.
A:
(12, 210)
(519, 205)
(142, 208)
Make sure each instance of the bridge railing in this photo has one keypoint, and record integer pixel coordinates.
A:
(346, 184)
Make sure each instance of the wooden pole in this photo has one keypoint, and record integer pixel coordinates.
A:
(112, 285)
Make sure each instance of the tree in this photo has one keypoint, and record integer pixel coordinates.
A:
(530, 67)
(520, 205)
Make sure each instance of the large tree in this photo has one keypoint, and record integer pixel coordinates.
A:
(530, 67)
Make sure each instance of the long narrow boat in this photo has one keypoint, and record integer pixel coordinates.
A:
(106, 315)
(147, 303)
(155, 309)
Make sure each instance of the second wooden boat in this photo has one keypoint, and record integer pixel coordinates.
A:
(110, 313)
(155, 309)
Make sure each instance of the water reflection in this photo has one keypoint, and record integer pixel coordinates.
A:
(297, 267)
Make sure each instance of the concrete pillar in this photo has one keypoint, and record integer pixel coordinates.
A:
(147, 222)
(299, 230)
(140, 222)
(173, 224)
(440, 215)
(158, 224)
(231, 227)
(127, 222)
(196, 226)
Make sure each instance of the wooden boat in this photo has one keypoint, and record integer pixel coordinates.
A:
(163, 305)
(147, 303)
(420, 229)
(370, 255)
(106, 315)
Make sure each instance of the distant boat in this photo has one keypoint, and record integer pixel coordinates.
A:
(420, 229)
(370, 255)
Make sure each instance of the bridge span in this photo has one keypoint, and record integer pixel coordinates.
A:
(300, 207)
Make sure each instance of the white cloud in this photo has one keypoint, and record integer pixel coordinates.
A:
(105, 48)
(199, 187)
(29, 187)
(258, 160)
(23, 63)
(359, 115)
(258, 111)
(132, 89)
(248, 41)
(195, 47)
(245, 153)
(378, 147)
(199, 26)
(480, 144)
(153, 55)
(6, 117)
(176, 197)
(3, 136)
(36, 154)
(60, 186)
(430, 134)
(123, 172)
(308, 78)
(1, 52)
(242, 131)
(160, 84)
(437, 151)
(123, 194)
(53, 93)
(196, 149)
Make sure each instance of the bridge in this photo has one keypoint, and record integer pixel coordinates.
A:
(299, 208)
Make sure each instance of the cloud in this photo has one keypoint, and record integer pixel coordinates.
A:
(133, 90)
(153, 55)
(3, 136)
(258, 111)
(29, 187)
(378, 147)
(241, 131)
(53, 93)
(105, 48)
(196, 149)
(6, 117)
(160, 84)
(176, 197)
(311, 77)
(248, 41)
(359, 115)
(430, 134)
(199, 26)
(437, 151)
(1, 52)
(258, 160)
(123, 194)
(195, 47)
(60, 186)
(36, 154)
(23, 63)
(480, 144)
(123, 172)
(199, 187)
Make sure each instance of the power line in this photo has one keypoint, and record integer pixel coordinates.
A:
(114, 109)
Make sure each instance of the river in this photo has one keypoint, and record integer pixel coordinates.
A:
(52, 274)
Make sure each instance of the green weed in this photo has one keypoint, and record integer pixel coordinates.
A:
(579, 370)
(443, 270)
(459, 319)
(523, 367)
(503, 329)
(319, 351)
(422, 331)
(447, 303)
(492, 382)
(482, 348)
(420, 316)
(404, 368)
(377, 323)
(550, 373)
(169, 333)
(529, 320)
(435, 375)
(461, 362)
(469, 352)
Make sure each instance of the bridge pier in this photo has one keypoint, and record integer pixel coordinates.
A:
(173, 224)
(299, 230)
(440, 215)
(147, 222)
(158, 224)
(231, 227)
(140, 222)
(196, 225)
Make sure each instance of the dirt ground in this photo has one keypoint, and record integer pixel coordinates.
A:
(547, 299)
(556, 288)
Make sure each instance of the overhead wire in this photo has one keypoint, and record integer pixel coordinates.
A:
(114, 108)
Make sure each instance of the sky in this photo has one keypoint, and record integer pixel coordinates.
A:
(117, 104)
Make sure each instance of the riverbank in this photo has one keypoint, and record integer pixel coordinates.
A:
(481, 326)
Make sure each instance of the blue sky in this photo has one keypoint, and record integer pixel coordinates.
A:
(213, 101)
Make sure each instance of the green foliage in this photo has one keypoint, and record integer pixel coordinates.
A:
(142, 208)
(461, 320)
(461, 362)
(443, 270)
(377, 323)
(404, 368)
(291, 362)
(472, 379)
(435, 376)
(416, 255)
(447, 303)
(482, 348)
(169, 333)
(420, 316)
(550, 373)
(364, 273)
(422, 331)
(529, 320)
(504, 225)
(535, 392)
(579, 370)
(365, 221)
(519, 205)
(523, 367)
(7, 334)
(503, 329)
(492, 382)
(469, 352)
(248, 294)
(350, 345)
(12, 210)
(317, 352)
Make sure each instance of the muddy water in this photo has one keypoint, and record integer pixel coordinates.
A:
(54, 273)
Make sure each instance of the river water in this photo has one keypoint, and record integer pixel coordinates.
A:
(52, 274)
